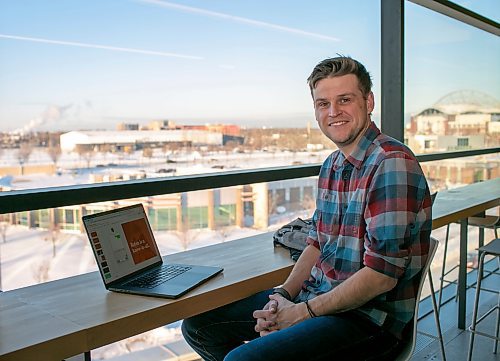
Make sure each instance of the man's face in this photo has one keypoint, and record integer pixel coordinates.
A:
(341, 110)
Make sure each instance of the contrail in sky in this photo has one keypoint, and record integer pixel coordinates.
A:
(105, 47)
(238, 19)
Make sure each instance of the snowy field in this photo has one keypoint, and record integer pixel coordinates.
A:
(29, 256)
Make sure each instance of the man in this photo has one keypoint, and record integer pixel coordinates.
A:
(351, 294)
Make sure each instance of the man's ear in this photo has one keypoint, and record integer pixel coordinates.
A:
(370, 103)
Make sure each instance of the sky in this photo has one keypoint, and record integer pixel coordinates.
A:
(90, 64)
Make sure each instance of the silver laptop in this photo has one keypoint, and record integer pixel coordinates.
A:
(129, 260)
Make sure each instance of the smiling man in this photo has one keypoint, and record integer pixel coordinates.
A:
(351, 294)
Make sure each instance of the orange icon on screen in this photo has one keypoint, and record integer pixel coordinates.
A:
(139, 240)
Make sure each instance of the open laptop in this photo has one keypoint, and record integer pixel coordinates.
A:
(129, 260)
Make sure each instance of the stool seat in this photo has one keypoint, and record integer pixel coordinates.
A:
(492, 248)
(486, 221)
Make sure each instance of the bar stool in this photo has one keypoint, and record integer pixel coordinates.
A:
(487, 221)
(484, 222)
(492, 248)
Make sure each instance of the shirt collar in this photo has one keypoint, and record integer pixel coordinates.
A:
(358, 155)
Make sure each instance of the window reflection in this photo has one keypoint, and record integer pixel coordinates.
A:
(452, 95)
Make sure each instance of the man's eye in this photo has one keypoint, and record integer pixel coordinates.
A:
(345, 100)
(322, 105)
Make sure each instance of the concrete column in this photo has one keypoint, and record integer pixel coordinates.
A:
(239, 207)
(260, 205)
(180, 212)
(211, 209)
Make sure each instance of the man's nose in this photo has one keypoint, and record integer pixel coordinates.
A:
(333, 111)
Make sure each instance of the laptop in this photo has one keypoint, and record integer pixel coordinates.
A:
(129, 260)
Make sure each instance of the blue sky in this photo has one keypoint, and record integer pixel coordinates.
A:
(88, 64)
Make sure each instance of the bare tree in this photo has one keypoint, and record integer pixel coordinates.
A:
(147, 153)
(23, 154)
(4, 224)
(41, 271)
(186, 235)
(54, 234)
(54, 152)
(85, 152)
(0, 269)
(3, 230)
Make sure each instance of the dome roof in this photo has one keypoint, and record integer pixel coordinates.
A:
(467, 101)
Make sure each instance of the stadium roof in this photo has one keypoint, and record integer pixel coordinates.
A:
(467, 101)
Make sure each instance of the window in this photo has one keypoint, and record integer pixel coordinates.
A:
(169, 67)
(452, 81)
(163, 219)
(462, 142)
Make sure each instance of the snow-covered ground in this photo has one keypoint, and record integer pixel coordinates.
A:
(75, 170)
(29, 256)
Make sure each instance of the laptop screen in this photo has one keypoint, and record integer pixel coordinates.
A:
(122, 241)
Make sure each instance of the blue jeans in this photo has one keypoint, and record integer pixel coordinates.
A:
(227, 333)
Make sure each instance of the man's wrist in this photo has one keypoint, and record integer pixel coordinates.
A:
(282, 292)
(312, 314)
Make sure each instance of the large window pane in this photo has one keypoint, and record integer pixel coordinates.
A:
(138, 82)
(452, 94)
(452, 102)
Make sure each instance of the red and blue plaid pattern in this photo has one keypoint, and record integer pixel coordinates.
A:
(373, 209)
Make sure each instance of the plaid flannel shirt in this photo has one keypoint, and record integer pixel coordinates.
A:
(373, 209)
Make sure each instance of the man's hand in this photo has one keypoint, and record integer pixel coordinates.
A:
(265, 316)
(279, 313)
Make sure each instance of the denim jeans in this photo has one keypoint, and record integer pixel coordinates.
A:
(227, 333)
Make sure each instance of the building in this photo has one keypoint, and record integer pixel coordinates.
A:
(120, 140)
(258, 206)
(460, 120)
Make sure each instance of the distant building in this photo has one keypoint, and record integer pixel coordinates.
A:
(256, 206)
(461, 120)
(119, 140)
(162, 125)
(127, 126)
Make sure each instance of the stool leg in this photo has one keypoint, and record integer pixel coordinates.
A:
(443, 268)
(476, 304)
(495, 348)
(436, 315)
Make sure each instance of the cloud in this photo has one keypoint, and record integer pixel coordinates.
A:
(104, 47)
(238, 19)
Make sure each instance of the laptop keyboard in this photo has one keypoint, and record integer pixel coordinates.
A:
(158, 276)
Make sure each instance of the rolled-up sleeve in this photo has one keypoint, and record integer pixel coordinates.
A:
(394, 202)
(312, 238)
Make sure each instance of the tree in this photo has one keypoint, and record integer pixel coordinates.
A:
(147, 153)
(85, 152)
(54, 152)
(3, 230)
(41, 271)
(54, 234)
(23, 154)
(4, 224)
(187, 235)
